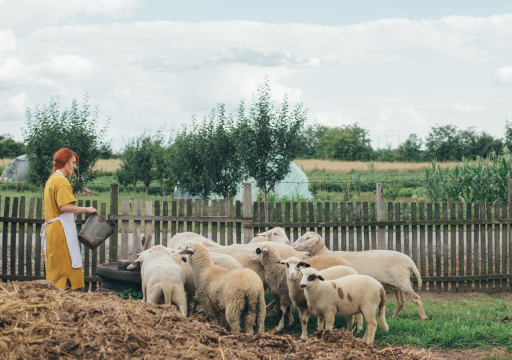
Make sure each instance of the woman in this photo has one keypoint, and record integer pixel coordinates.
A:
(62, 256)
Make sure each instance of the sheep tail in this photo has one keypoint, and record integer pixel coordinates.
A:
(414, 269)
(261, 313)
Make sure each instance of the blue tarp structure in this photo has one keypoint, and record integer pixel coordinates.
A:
(17, 169)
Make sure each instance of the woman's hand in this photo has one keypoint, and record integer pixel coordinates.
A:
(90, 210)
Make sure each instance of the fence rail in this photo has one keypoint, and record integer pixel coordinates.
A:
(457, 247)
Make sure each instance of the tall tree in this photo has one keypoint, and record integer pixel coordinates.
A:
(127, 173)
(270, 138)
(162, 162)
(347, 142)
(47, 130)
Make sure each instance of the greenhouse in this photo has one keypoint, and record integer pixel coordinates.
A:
(17, 169)
(294, 185)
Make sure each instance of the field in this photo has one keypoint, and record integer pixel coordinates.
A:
(333, 166)
(103, 165)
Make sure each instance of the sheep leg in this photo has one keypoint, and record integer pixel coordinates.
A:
(408, 291)
(281, 322)
(178, 296)
(320, 323)
(194, 306)
(291, 319)
(233, 317)
(359, 318)
(304, 317)
(350, 322)
(154, 295)
(189, 302)
(399, 302)
(144, 291)
(371, 323)
(329, 321)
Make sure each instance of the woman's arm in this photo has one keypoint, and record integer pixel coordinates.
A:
(70, 208)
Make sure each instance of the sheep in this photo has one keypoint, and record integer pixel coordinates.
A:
(162, 278)
(275, 278)
(349, 295)
(225, 261)
(236, 293)
(293, 266)
(182, 238)
(276, 234)
(390, 268)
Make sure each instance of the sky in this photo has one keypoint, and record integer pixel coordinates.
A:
(394, 67)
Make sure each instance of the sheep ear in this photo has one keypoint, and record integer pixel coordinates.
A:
(134, 264)
(264, 251)
(304, 264)
(284, 262)
(320, 277)
(186, 251)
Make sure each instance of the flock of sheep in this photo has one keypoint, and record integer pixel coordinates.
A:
(229, 281)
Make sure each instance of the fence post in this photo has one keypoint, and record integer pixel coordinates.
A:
(114, 210)
(381, 235)
(247, 211)
(509, 285)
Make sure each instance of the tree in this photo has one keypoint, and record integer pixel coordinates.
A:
(126, 174)
(47, 130)
(410, 150)
(443, 143)
(162, 162)
(143, 160)
(10, 148)
(270, 137)
(347, 142)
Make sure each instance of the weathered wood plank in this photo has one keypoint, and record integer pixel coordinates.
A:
(262, 217)
(414, 238)
(125, 229)
(30, 231)
(366, 229)
(94, 255)
(229, 225)
(222, 225)
(504, 248)
(343, 229)
(398, 232)
(197, 214)
(103, 212)
(114, 210)
(21, 238)
(489, 256)
(5, 233)
(295, 209)
(460, 241)
(483, 252)
(158, 225)
(287, 218)
(350, 212)
(497, 255)
(37, 253)
(148, 224)
(319, 229)
(311, 213)
(165, 224)
(445, 247)
(255, 218)
(390, 227)
(181, 213)
(430, 248)
(205, 223)
(439, 249)
(14, 214)
(335, 229)
(406, 229)
(87, 260)
(359, 237)
(137, 228)
(469, 246)
(453, 248)
(373, 217)
(327, 217)
(238, 214)
(476, 247)
(214, 212)
(189, 215)
(303, 217)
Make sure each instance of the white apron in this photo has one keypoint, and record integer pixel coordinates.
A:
(68, 223)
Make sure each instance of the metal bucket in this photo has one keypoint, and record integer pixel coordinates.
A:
(95, 231)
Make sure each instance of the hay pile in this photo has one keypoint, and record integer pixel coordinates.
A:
(38, 321)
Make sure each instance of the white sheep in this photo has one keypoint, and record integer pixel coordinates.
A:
(293, 266)
(391, 268)
(349, 295)
(181, 239)
(236, 293)
(162, 278)
(276, 234)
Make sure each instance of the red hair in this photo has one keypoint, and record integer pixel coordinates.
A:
(61, 158)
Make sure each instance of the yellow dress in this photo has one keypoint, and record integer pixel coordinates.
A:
(57, 192)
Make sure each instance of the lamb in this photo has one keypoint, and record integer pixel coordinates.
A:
(235, 293)
(276, 234)
(162, 278)
(349, 295)
(293, 266)
(389, 267)
(182, 238)
(275, 278)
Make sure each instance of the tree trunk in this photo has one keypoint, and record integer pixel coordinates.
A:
(147, 190)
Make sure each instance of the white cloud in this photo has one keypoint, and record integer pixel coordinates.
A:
(7, 41)
(17, 103)
(334, 118)
(65, 65)
(411, 114)
(385, 115)
(23, 15)
(503, 76)
(458, 108)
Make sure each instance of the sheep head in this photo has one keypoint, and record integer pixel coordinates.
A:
(306, 241)
(276, 234)
(309, 276)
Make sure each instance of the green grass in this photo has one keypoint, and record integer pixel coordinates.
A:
(455, 324)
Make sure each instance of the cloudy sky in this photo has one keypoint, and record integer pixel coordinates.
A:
(394, 67)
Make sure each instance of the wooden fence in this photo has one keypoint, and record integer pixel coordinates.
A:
(457, 247)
